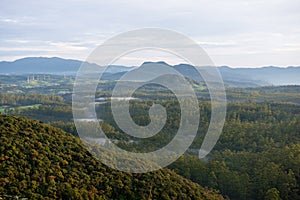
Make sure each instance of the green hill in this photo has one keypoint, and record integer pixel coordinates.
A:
(38, 161)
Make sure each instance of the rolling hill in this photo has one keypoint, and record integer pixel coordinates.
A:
(38, 161)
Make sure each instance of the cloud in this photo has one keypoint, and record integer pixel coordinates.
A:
(8, 20)
(17, 48)
(233, 32)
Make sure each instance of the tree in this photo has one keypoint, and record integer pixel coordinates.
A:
(272, 194)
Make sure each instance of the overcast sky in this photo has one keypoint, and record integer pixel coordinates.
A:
(236, 33)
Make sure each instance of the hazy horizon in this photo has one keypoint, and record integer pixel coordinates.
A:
(233, 33)
(140, 62)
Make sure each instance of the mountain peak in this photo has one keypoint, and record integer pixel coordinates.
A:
(159, 62)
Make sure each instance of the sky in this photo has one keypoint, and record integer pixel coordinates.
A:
(236, 33)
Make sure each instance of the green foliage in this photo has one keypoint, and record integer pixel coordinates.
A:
(272, 194)
(28, 99)
(256, 157)
(258, 150)
(42, 162)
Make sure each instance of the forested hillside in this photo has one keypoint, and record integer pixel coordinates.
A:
(38, 161)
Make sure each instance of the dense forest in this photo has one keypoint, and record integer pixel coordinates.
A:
(256, 157)
(42, 162)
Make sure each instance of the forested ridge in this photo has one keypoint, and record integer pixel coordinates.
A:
(38, 161)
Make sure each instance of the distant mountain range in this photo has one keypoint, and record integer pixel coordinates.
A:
(241, 77)
(39, 65)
